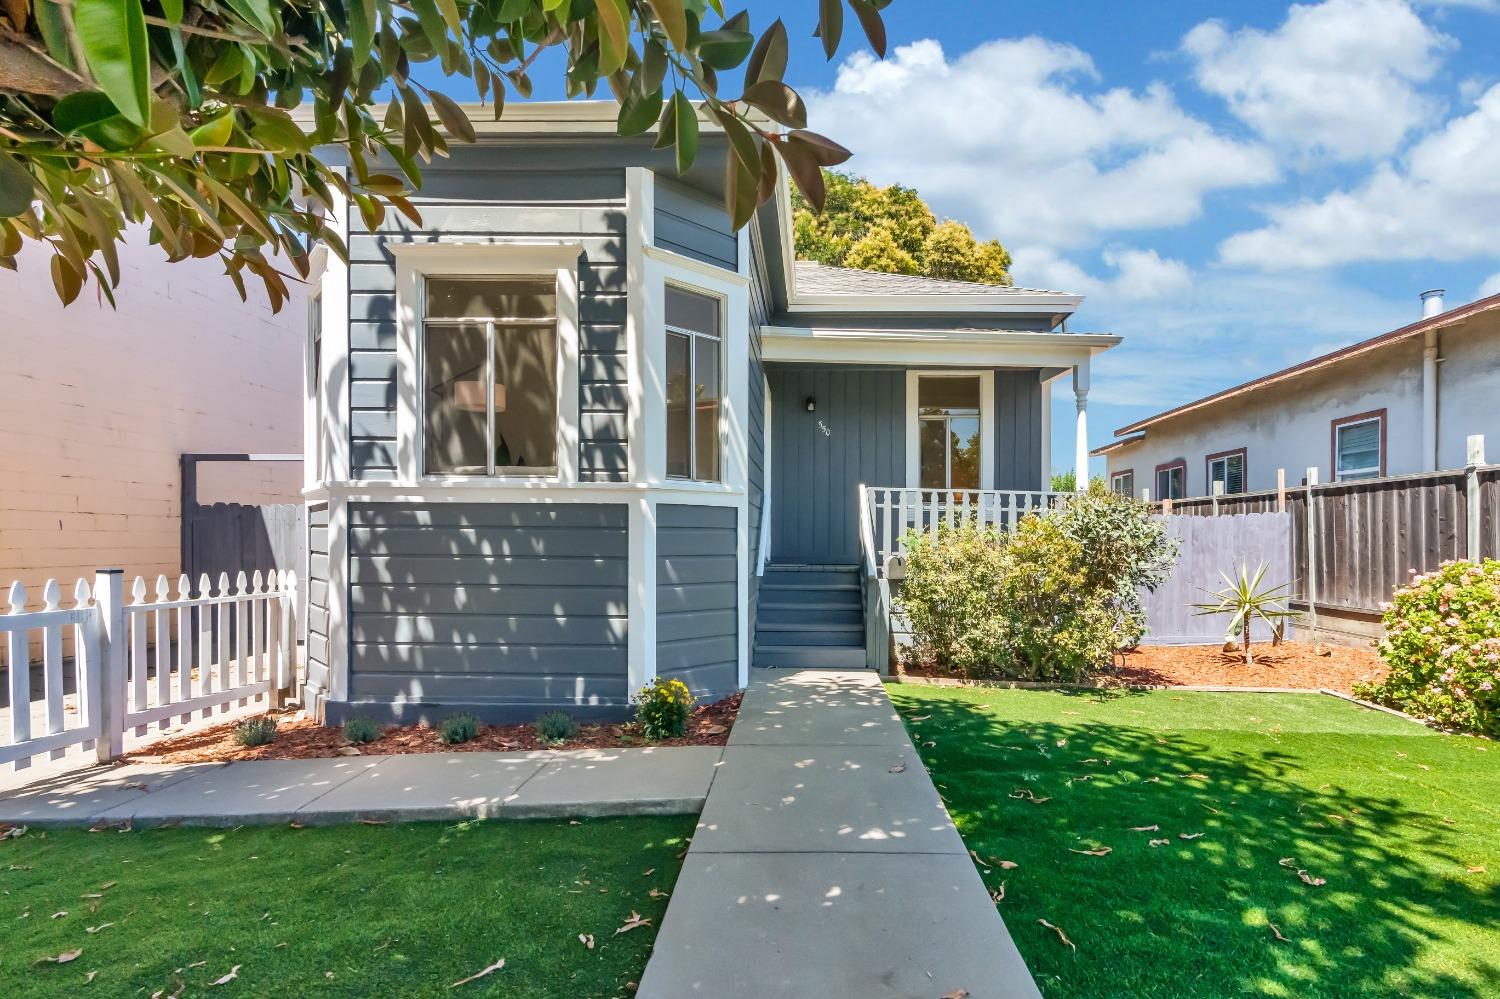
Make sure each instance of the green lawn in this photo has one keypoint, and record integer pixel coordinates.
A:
(1402, 823)
(400, 910)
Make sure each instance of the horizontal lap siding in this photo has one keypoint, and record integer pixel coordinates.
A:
(489, 603)
(695, 226)
(495, 194)
(697, 611)
(317, 597)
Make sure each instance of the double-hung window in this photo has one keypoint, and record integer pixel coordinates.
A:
(1171, 480)
(490, 376)
(1228, 468)
(695, 394)
(1122, 483)
(1357, 448)
(949, 438)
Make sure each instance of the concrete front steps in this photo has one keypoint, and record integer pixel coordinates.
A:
(810, 617)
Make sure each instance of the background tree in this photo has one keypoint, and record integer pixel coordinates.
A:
(176, 111)
(891, 229)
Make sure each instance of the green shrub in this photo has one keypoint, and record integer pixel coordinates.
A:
(360, 730)
(1442, 644)
(662, 708)
(556, 726)
(1051, 599)
(259, 731)
(458, 728)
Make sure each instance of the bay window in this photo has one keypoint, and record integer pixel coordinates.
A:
(490, 376)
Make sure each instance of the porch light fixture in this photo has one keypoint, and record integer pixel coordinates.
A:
(812, 404)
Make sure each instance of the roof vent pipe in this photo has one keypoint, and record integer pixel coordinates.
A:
(1432, 303)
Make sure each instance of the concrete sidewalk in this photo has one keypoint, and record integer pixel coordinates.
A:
(423, 786)
(824, 863)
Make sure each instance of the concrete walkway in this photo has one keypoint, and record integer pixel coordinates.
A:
(437, 786)
(824, 863)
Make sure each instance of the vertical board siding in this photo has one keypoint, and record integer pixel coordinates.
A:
(760, 313)
(856, 434)
(697, 614)
(1018, 430)
(317, 596)
(694, 225)
(489, 604)
(489, 193)
(1212, 546)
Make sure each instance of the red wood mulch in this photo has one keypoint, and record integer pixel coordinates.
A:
(301, 738)
(1292, 664)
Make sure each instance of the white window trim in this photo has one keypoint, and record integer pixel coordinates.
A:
(986, 423)
(1369, 471)
(414, 262)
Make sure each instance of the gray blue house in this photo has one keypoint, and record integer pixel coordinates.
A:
(572, 432)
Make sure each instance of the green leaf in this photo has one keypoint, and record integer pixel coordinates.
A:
(175, 141)
(452, 116)
(740, 139)
(724, 48)
(823, 150)
(638, 112)
(76, 112)
(215, 132)
(112, 34)
(830, 25)
(673, 18)
(666, 132)
(873, 24)
(15, 187)
(614, 35)
(257, 13)
(170, 9)
(768, 61)
(54, 28)
(653, 71)
(433, 25)
(742, 185)
(777, 100)
(361, 29)
(686, 118)
(450, 15)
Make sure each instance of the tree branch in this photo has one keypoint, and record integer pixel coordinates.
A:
(25, 70)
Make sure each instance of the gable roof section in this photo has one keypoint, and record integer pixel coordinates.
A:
(1450, 318)
(814, 278)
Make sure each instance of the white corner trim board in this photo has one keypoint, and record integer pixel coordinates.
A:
(414, 262)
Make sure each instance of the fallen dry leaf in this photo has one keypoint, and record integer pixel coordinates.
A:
(1026, 794)
(1477, 869)
(648, 873)
(59, 915)
(1308, 879)
(349, 751)
(90, 977)
(919, 718)
(1276, 932)
(1159, 842)
(998, 895)
(63, 958)
(96, 929)
(658, 893)
(476, 976)
(12, 832)
(587, 939)
(374, 822)
(1287, 861)
(1188, 835)
(234, 973)
(635, 922)
(1152, 828)
(294, 824)
(713, 730)
(1197, 776)
(1103, 851)
(955, 994)
(1060, 934)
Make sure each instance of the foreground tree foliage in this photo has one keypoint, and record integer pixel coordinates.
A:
(892, 230)
(176, 111)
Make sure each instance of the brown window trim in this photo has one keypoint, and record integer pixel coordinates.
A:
(1165, 466)
(1344, 421)
(1208, 464)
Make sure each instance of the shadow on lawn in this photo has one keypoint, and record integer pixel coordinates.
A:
(1190, 917)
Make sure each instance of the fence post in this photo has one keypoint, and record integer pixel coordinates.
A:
(1471, 480)
(107, 680)
(286, 641)
(1312, 555)
(1218, 491)
(1281, 490)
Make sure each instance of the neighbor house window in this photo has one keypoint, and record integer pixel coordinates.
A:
(948, 432)
(1171, 480)
(695, 396)
(1228, 468)
(490, 376)
(1359, 447)
(1122, 483)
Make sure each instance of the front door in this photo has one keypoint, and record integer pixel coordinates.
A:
(831, 429)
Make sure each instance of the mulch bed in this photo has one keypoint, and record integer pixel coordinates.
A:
(300, 738)
(1292, 664)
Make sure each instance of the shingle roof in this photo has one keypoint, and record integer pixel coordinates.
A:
(814, 278)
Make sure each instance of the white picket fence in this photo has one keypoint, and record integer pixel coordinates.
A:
(158, 660)
(886, 514)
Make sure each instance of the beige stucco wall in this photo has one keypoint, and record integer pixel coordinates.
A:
(96, 405)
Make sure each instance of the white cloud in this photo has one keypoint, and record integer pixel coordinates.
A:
(1017, 138)
(1491, 286)
(1341, 77)
(1138, 274)
(1440, 201)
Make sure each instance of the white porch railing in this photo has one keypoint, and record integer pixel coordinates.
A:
(147, 662)
(886, 514)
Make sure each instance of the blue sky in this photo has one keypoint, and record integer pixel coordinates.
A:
(1235, 186)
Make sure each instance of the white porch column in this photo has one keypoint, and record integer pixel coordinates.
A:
(1081, 442)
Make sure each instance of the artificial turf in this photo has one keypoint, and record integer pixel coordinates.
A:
(1402, 823)
(356, 910)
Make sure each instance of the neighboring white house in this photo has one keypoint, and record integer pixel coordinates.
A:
(96, 404)
(1402, 402)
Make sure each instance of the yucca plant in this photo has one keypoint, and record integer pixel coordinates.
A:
(1246, 601)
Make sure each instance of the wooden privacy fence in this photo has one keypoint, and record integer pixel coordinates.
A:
(154, 661)
(1211, 547)
(1365, 538)
(239, 537)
